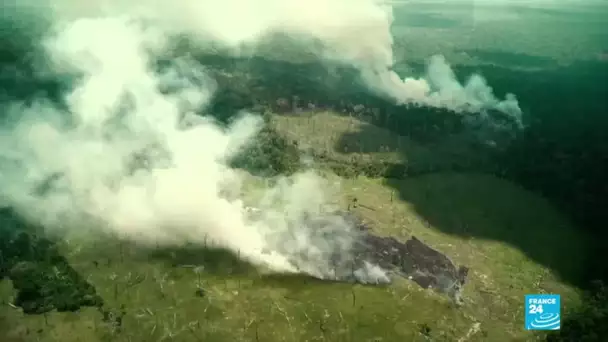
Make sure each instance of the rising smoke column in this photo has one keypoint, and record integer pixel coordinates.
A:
(124, 157)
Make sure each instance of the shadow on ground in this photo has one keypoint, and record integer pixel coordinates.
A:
(481, 207)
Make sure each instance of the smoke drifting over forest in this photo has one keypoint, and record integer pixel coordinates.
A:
(121, 153)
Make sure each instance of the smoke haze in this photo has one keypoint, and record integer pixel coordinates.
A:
(356, 32)
(123, 155)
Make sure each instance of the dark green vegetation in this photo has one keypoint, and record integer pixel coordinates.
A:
(41, 276)
(588, 323)
(270, 154)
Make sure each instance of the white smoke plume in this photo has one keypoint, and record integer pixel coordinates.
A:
(357, 32)
(138, 163)
(124, 156)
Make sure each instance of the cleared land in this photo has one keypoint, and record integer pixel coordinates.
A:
(152, 294)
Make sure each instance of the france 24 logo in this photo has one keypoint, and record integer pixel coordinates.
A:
(543, 312)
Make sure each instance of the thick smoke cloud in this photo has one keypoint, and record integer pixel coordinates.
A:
(120, 154)
(356, 32)
(127, 158)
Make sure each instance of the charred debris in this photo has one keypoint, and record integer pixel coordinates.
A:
(413, 259)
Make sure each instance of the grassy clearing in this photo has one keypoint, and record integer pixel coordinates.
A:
(328, 133)
(347, 139)
(159, 298)
(479, 221)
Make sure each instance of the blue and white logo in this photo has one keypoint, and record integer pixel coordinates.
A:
(543, 312)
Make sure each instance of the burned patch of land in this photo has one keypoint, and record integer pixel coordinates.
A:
(412, 259)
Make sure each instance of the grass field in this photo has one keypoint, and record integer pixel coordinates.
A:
(347, 139)
(153, 293)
